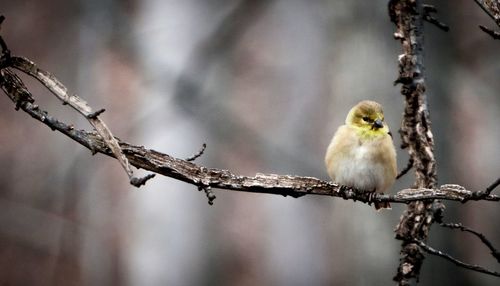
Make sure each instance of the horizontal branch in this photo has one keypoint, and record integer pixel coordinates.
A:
(201, 176)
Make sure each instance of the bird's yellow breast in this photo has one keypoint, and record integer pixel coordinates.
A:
(366, 134)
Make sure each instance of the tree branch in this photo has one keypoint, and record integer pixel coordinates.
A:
(492, 9)
(416, 135)
(428, 11)
(204, 177)
(491, 187)
(494, 34)
(415, 132)
(494, 252)
(408, 167)
(448, 257)
(78, 104)
(198, 154)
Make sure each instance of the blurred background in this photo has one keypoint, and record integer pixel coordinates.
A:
(265, 84)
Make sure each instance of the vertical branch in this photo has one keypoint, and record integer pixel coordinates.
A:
(415, 133)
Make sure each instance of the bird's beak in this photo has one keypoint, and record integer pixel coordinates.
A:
(378, 124)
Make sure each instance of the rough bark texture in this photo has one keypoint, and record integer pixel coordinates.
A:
(81, 106)
(204, 177)
(492, 9)
(416, 135)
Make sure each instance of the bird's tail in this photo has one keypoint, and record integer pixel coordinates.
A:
(382, 205)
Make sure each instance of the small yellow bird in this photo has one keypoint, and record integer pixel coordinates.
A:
(361, 154)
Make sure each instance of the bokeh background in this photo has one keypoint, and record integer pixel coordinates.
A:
(264, 83)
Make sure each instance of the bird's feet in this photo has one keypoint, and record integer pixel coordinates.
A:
(342, 191)
(370, 197)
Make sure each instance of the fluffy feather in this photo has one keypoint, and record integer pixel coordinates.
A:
(361, 153)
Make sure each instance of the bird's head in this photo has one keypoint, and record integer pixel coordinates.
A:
(368, 117)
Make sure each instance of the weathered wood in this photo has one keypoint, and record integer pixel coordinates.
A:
(416, 135)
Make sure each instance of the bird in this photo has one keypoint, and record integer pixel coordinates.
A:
(361, 153)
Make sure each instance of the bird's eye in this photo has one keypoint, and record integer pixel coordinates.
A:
(367, 119)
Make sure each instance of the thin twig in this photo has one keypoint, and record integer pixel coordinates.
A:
(428, 10)
(494, 34)
(78, 104)
(208, 192)
(482, 237)
(406, 169)
(433, 20)
(5, 53)
(487, 191)
(492, 187)
(58, 89)
(448, 257)
(93, 115)
(198, 154)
